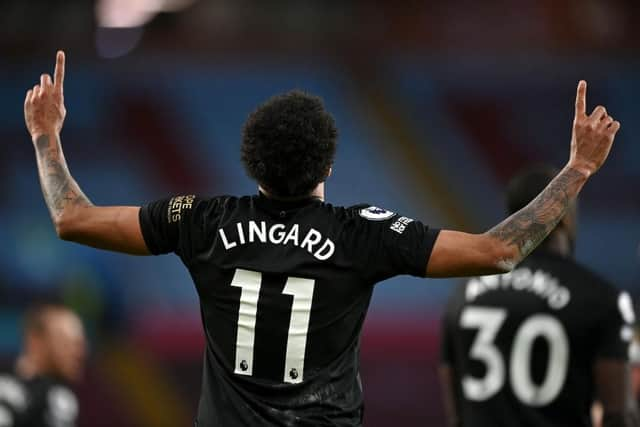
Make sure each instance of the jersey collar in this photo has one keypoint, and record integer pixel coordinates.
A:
(270, 202)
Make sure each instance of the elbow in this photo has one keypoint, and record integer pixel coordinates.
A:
(64, 228)
(503, 257)
(73, 224)
(505, 266)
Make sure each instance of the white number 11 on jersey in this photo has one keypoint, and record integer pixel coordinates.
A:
(302, 292)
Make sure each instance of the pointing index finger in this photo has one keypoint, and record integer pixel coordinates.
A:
(58, 75)
(581, 99)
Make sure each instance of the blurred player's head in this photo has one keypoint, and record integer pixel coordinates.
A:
(288, 144)
(525, 187)
(54, 343)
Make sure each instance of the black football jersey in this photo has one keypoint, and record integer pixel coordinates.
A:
(36, 402)
(284, 288)
(522, 345)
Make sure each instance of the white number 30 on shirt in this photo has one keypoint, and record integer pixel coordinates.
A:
(488, 321)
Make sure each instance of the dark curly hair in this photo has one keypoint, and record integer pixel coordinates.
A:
(288, 144)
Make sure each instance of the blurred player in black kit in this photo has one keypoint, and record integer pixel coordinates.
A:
(536, 346)
(285, 278)
(39, 393)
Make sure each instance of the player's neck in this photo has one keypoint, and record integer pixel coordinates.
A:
(317, 192)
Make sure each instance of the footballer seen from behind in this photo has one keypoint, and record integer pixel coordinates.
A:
(536, 347)
(284, 277)
(40, 391)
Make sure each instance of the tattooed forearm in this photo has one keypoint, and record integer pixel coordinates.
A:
(60, 190)
(527, 228)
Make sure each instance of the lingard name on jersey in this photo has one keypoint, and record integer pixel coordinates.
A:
(278, 234)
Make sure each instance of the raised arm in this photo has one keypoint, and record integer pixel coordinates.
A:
(500, 249)
(75, 218)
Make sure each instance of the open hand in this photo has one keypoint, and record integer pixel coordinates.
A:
(592, 135)
(44, 110)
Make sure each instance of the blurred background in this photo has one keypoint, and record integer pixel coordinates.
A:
(438, 104)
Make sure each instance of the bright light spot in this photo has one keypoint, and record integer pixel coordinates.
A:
(134, 13)
(124, 13)
(121, 22)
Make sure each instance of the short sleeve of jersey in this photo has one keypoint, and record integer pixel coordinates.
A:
(387, 244)
(614, 328)
(176, 224)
